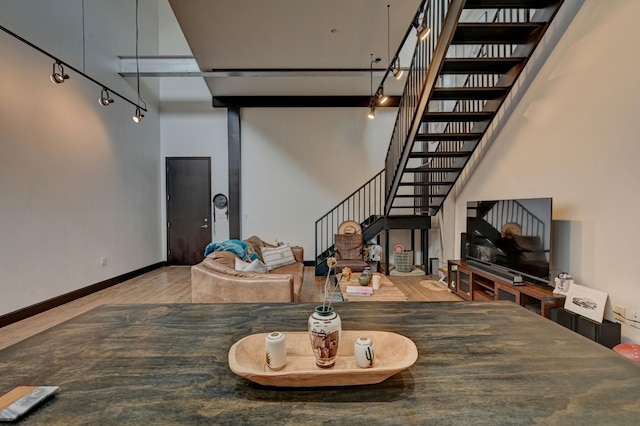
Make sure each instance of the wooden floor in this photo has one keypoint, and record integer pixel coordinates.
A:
(172, 284)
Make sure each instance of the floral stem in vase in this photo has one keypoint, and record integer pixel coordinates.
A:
(331, 263)
(335, 287)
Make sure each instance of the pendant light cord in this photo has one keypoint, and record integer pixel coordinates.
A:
(388, 35)
(140, 100)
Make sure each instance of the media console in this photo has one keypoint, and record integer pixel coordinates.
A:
(476, 284)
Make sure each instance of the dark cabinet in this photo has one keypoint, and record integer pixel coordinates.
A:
(459, 280)
(606, 333)
(475, 284)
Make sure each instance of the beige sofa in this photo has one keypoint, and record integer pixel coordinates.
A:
(215, 279)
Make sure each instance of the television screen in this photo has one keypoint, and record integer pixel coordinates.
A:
(511, 237)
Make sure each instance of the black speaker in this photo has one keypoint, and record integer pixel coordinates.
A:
(463, 246)
(568, 319)
(606, 333)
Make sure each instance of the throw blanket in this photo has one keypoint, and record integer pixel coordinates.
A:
(239, 248)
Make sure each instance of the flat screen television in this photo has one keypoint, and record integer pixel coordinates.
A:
(510, 237)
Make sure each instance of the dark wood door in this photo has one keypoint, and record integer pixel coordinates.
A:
(188, 209)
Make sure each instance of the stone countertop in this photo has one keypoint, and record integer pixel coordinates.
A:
(479, 363)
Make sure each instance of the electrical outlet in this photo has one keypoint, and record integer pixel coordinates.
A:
(634, 316)
(103, 261)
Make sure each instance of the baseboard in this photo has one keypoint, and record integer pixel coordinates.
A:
(29, 311)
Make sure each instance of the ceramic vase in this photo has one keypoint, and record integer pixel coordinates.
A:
(364, 352)
(275, 347)
(364, 279)
(324, 327)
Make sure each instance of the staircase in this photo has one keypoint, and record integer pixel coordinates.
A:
(457, 82)
(458, 79)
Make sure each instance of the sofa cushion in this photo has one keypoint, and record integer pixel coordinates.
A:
(255, 266)
(225, 258)
(349, 246)
(356, 265)
(275, 257)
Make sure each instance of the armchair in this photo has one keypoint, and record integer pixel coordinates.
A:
(349, 252)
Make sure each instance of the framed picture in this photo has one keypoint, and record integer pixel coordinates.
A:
(586, 301)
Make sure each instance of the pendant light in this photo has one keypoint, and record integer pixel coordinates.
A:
(137, 117)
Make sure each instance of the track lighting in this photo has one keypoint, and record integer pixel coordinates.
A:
(138, 116)
(58, 75)
(423, 31)
(372, 109)
(105, 99)
(382, 98)
(372, 113)
(397, 71)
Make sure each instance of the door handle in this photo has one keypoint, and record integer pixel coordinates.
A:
(204, 226)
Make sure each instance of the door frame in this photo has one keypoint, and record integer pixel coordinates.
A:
(166, 191)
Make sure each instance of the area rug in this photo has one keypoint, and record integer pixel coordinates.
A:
(414, 271)
(434, 285)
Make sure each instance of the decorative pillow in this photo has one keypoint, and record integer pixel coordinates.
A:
(255, 266)
(275, 257)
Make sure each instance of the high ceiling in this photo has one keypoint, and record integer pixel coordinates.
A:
(294, 47)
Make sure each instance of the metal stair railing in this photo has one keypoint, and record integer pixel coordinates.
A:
(364, 205)
(472, 80)
(421, 77)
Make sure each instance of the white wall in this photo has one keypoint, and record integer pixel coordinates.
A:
(298, 163)
(574, 137)
(190, 126)
(78, 181)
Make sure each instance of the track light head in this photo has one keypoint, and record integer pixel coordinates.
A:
(423, 31)
(382, 98)
(372, 113)
(397, 71)
(138, 116)
(58, 75)
(105, 99)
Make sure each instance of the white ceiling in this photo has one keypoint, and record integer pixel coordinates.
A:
(294, 35)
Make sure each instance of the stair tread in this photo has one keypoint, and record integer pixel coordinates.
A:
(423, 137)
(426, 183)
(420, 154)
(498, 33)
(432, 169)
(457, 116)
(419, 196)
(519, 4)
(468, 93)
(479, 65)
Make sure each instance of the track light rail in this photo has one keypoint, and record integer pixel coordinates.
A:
(71, 67)
(394, 65)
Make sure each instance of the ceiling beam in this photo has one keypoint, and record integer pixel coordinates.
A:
(186, 66)
(298, 101)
